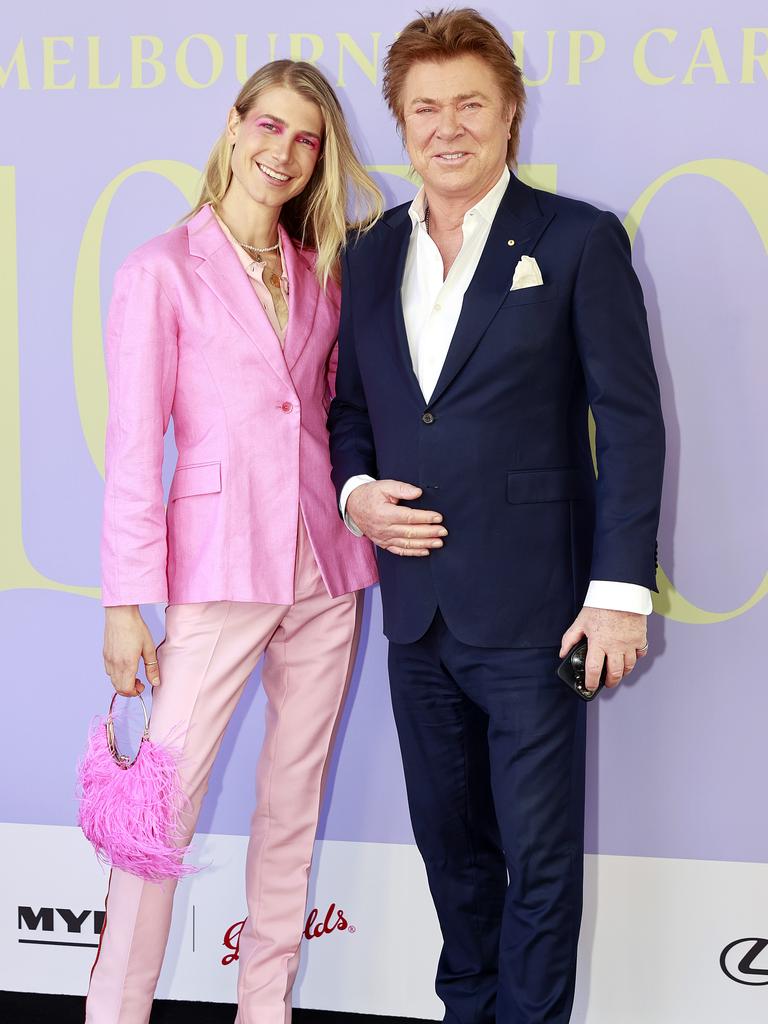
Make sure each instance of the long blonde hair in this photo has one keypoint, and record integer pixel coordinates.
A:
(317, 217)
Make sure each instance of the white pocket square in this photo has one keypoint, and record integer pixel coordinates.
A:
(527, 274)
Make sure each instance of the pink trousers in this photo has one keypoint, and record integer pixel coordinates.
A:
(208, 653)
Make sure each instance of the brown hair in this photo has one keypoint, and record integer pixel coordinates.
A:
(440, 35)
(317, 217)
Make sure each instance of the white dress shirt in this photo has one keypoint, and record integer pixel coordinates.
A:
(431, 309)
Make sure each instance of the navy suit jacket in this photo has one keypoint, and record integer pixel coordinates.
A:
(502, 448)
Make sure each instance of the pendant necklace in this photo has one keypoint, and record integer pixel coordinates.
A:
(274, 279)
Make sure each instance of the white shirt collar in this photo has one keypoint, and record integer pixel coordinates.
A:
(487, 207)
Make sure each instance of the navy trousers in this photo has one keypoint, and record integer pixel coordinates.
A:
(493, 750)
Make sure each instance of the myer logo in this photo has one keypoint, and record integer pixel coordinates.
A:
(738, 961)
(60, 926)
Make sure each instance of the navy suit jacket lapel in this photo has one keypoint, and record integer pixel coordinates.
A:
(519, 219)
(401, 225)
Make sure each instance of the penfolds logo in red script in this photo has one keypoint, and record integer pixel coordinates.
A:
(315, 928)
(334, 922)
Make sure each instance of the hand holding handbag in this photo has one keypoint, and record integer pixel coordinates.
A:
(129, 809)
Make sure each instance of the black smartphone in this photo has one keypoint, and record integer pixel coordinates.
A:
(573, 671)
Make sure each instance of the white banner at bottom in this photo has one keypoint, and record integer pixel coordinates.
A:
(663, 941)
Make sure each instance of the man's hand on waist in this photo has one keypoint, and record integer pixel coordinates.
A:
(373, 507)
(619, 637)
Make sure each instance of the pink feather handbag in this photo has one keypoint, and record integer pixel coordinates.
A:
(129, 809)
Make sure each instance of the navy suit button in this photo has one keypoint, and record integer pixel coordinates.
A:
(427, 418)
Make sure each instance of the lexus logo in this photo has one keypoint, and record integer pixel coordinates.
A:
(738, 961)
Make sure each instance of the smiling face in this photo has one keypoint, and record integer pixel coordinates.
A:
(276, 146)
(456, 126)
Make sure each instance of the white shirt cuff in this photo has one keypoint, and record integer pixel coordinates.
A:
(619, 597)
(349, 486)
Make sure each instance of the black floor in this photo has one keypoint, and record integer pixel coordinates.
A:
(24, 1008)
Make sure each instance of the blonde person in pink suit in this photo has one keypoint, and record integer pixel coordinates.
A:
(228, 324)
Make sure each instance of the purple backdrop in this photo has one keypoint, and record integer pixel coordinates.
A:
(676, 756)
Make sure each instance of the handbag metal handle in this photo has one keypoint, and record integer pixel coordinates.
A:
(122, 759)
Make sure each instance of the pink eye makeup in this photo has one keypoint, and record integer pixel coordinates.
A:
(274, 126)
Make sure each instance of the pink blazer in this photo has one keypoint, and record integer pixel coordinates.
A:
(188, 338)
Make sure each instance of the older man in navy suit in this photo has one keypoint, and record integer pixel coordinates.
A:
(478, 326)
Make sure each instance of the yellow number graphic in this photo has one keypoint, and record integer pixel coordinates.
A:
(87, 348)
(750, 186)
(746, 182)
(18, 573)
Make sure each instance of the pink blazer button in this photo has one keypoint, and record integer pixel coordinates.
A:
(286, 407)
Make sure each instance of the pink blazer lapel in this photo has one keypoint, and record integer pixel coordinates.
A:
(223, 274)
(303, 294)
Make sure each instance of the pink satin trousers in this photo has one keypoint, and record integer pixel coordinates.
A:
(208, 653)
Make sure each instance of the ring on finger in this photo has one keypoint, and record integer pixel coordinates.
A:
(643, 649)
(149, 664)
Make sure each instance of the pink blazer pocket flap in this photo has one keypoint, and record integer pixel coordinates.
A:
(203, 478)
